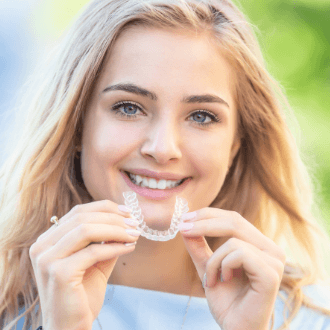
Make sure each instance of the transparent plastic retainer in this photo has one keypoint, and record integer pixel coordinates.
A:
(181, 207)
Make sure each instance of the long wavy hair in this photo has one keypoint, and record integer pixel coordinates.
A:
(268, 184)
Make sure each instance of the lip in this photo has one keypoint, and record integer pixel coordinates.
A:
(155, 194)
(155, 175)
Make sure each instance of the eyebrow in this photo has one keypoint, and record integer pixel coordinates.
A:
(132, 88)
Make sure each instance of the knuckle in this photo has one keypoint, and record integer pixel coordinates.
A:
(274, 278)
(77, 218)
(40, 237)
(55, 272)
(242, 251)
(279, 267)
(77, 209)
(93, 251)
(236, 222)
(232, 243)
(42, 263)
(33, 251)
(84, 230)
(108, 205)
(238, 219)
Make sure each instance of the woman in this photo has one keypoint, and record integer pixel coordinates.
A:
(154, 91)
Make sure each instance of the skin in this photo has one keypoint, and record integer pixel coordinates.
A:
(164, 137)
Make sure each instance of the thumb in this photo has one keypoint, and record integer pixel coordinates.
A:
(199, 251)
(107, 266)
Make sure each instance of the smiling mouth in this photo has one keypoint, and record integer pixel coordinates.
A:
(152, 183)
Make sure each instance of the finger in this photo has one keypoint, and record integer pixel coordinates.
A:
(262, 277)
(106, 206)
(102, 256)
(52, 236)
(82, 235)
(234, 244)
(199, 251)
(213, 222)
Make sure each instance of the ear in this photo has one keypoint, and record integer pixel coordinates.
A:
(234, 149)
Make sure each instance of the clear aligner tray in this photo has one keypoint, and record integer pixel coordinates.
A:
(181, 207)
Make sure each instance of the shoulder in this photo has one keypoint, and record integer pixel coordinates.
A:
(307, 318)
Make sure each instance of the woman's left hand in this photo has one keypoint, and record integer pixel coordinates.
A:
(252, 267)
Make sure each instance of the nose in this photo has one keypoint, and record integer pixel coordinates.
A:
(162, 141)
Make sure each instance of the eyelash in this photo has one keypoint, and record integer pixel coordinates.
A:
(116, 107)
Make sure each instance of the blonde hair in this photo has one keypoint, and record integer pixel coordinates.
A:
(267, 184)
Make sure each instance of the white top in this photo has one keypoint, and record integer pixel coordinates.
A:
(127, 308)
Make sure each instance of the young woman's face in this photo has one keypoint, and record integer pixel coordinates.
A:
(177, 115)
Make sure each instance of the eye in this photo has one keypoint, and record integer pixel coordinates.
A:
(126, 109)
(201, 116)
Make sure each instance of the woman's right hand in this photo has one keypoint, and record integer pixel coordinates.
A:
(71, 273)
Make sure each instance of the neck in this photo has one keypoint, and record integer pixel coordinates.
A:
(159, 266)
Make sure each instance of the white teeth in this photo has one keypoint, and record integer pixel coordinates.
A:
(169, 184)
(161, 184)
(152, 183)
(138, 179)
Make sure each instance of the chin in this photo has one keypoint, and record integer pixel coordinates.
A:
(155, 218)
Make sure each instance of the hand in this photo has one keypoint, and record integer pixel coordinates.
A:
(71, 273)
(252, 267)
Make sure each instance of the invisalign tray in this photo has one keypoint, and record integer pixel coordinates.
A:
(181, 207)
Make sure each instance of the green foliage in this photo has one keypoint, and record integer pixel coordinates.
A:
(295, 39)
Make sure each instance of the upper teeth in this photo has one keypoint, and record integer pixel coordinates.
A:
(153, 183)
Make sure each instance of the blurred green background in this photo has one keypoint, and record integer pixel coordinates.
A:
(295, 38)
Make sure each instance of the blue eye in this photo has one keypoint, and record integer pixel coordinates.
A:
(200, 115)
(129, 109)
(128, 106)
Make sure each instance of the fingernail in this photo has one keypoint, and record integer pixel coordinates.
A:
(204, 284)
(131, 222)
(185, 226)
(221, 279)
(130, 244)
(189, 216)
(133, 232)
(124, 208)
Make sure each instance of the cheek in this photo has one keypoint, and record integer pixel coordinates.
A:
(110, 142)
(210, 156)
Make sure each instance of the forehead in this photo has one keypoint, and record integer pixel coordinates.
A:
(162, 58)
